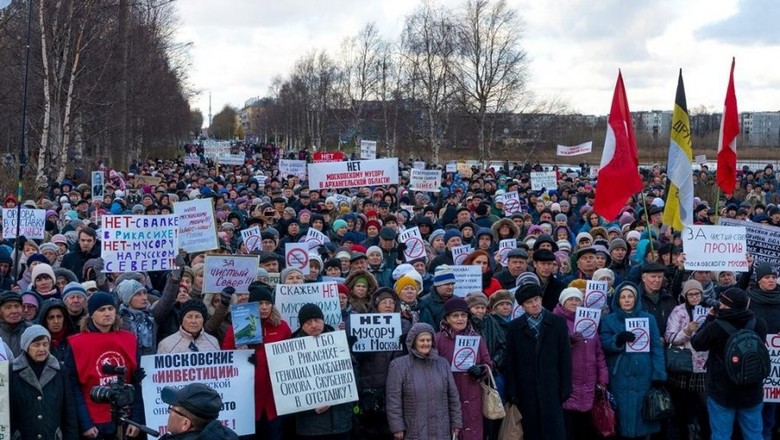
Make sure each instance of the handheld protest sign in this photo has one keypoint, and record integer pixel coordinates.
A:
(197, 225)
(139, 243)
(297, 255)
(465, 353)
(640, 327)
(415, 247)
(595, 294)
(246, 323)
(586, 322)
(715, 248)
(376, 331)
(237, 271)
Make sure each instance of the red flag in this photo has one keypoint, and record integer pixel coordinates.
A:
(727, 141)
(619, 177)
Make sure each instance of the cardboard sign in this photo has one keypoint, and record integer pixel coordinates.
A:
(451, 167)
(247, 328)
(596, 294)
(763, 241)
(353, 174)
(415, 246)
(418, 165)
(512, 203)
(252, 238)
(98, 189)
(640, 327)
(459, 253)
(228, 371)
(700, 313)
(467, 279)
(289, 167)
(586, 322)
(425, 180)
(701, 159)
(367, 150)
(544, 180)
(327, 156)
(376, 331)
(32, 224)
(297, 255)
(197, 227)
(715, 248)
(465, 354)
(291, 297)
(772, 383)
(311, 372)
(139, 243)
(315, 238)
(237, 271)
(504, 247)
(583, 148)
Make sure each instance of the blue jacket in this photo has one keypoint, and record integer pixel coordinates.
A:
(631, 374)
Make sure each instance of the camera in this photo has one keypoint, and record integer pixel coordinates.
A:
(118, 394)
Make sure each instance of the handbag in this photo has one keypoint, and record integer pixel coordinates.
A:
(679, 359)
(492, 408)
(603, 414)
(657, 405)
(512, 425)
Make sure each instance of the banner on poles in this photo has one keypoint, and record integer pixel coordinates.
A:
(576, 150)
(353, 174)
(197, 228)
(139, 243)
(228, 371)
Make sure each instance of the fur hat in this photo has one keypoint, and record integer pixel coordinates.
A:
(476, 299)
(498, 297)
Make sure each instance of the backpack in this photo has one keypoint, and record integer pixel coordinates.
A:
(746, 356)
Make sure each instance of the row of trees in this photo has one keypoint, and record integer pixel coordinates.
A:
(106, 82)
(449, 78)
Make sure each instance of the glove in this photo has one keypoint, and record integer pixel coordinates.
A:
(476, 371)
(20, 242)
(401, 248)
(658, 383)
(138, 375)
(624, 337)
(576, 337)
(226, 296)
(253, 358)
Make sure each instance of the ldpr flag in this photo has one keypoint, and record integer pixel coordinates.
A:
(727, 141)
(619, 177)
(678, 209)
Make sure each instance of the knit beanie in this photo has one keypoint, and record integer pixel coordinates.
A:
(434, 234)
(762, 270)
(338, 224)
(383, 293)
(127, 289)
(285, 273)
(451, 233)
(617, 243)
(49, 247)
(569, 292)
(476, 299)
(579, 283)
(405, 280)
(602, 273)
(309, 311)
(691, 285)
(73, 288)
(40, 258)
(30, 298)
(563, 245)
(41, 269)
(374, 250)
(194, 305)
(455, 304)
(561, 217)
(735, 298)
(498, 297)
(526, 278)
(333, 262)
(342, 289)
(30, 334)
(259, 292)
(443, 275)
(98, 300)
(582, 235)
(633, 234)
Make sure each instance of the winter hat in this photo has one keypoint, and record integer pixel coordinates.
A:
(73, 288)
(286, 273)
(338, 224)
(405, 280)
(443, 275)
(193, 305)
(127, 289)
(527, 291)
(374, 249)
(49, 247)
(582, 235)
(527, 278)
(260, 292)
(633, 234)
(30, 334)
(600, 274)
(309, 311)
(476, 299)
(30, 298)
(333, 262)
(561, 217)
(762, 270)
(455, 304)
(569, 292)
(342, 289)
(9, 296)
(434, 234)
(59, 238)
(617, 243)
(42, 269)
(86, 285)
(544, 255)
(691, 285)
(98, 300)
(402, 269)
(383, 293)
(450, 233)
(498, 297)
(735, 298)
(579, 283)
(564, 245)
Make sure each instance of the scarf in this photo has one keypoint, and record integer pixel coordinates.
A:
(141, 324)
(408, 313)
(536, 323)
(58, 338)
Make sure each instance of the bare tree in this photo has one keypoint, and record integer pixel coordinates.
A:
(491, 71)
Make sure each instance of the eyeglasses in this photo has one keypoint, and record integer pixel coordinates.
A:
(172, 409)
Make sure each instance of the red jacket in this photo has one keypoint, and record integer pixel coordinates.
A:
(264, 394)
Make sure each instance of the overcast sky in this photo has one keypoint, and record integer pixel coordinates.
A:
(575, 47)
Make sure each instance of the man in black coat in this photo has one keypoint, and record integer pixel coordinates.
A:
(655, 299)
(87, 248)
(727, 400)
(544, 268)
(538, 368)
(516, 263)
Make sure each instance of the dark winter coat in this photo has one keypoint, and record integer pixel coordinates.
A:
(591, 366)
(74, 260)
(711, 336)
(11, 334)
(41, 407)
(422, 398)
(433, 303)
(551, 291)
(538, 374)
(494, 337)
(766, 305)
(506, 279)
(660, 309)
(59, 346)
(468, 387)
(631, 374)
(213, 431)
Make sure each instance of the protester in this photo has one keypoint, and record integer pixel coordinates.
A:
(190, 337)
(12, 323)
(193, 414)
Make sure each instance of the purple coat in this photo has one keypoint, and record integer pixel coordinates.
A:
(589, 366)
(468, 388)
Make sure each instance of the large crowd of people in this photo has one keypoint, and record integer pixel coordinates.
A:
(61, 311)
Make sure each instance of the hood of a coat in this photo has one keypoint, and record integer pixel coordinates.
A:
(622, 314)
(414, 332)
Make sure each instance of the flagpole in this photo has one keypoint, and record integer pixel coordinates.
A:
(647, 216)
(22, 130)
